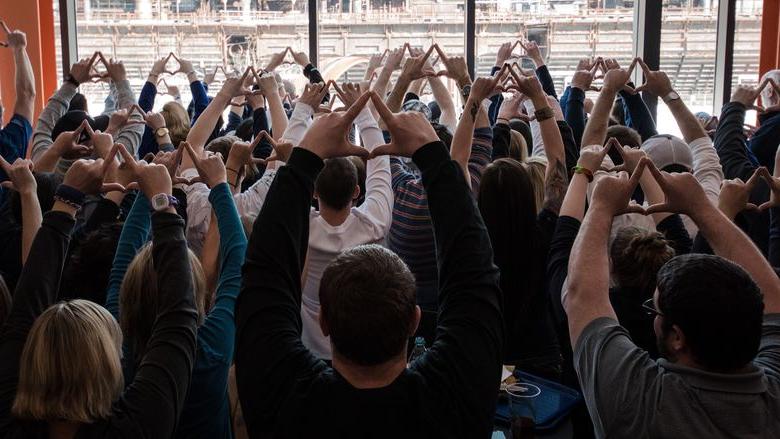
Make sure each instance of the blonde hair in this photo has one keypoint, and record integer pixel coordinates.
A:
(518, 149)
(536, 168)
(177, 121)
(70, 368)
(139, 294)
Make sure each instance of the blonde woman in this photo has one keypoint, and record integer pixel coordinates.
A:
(60, 374)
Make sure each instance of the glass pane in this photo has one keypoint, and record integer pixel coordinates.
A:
(233, 33)
(747, 41)
(565, 32)
(688, 37)
(351, 31)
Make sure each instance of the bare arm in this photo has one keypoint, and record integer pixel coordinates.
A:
(25, 82)
(596, 128)
(443, 97)
(587, 295)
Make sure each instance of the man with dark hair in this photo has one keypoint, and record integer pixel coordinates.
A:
(696, 294)
(720, 338)
(337, 184)
(365, 327)
(369, 309)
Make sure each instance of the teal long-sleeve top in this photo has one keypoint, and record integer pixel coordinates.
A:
(206, 412)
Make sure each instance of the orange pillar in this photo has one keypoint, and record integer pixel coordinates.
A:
(35, 18)
(770, 37)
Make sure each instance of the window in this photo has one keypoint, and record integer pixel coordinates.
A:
(689, 30)
(747, 40)
(351, 31)
(234, 33)
(565, 31)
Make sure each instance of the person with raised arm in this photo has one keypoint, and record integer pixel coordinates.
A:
(716, 323)
(520, 230)
(70, 384)
(15, 135)
(368, 308)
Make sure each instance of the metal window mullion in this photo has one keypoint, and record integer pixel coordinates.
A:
(724, 54)
(68, 31)
(647, 43)
(313, 32)
(470, 43)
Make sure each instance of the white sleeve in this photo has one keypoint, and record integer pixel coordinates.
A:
(129, 135)
(536, 132)
(378, 204)
(198, 211)
(249, 202)
(706, 167)
(298, 124)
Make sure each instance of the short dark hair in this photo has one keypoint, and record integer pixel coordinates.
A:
(336, 183)
(367, 298)
(717, 306)
(244, 130)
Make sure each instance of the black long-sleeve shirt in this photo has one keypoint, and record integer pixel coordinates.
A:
(730, 143)
(151, 405)
(449, 392)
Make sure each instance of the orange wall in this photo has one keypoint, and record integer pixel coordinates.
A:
(35, 18)
(770, 37)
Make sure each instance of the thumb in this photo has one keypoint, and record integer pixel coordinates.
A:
(357, 151)
(386, 149)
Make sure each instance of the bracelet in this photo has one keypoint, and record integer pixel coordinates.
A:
(232, 170)
(69, 195)
(584, 171)
(543, 114)
(502, 119)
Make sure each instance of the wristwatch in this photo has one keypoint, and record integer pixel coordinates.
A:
(671, 96)
(163, 201)
(465, 91)
(161, 132)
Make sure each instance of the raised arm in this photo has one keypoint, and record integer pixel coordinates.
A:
(587, 295)
(596, 129)
(269, 352)
(38, 284)
(449, 117)
(378, 204)
(24, 79)
(219, 329)
(475, 114)
(152, 403)
(23, 182)
(466, 353)
(200, 132)
(130, 134)
(730, 142)
(551, 135)
(57, 106)
(278, 115)
(685, 195)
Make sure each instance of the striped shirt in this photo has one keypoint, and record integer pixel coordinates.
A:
(411, 234)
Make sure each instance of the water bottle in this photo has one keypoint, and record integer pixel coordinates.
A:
(419, 349)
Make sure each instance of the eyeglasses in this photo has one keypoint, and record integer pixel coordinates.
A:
(649, 306)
